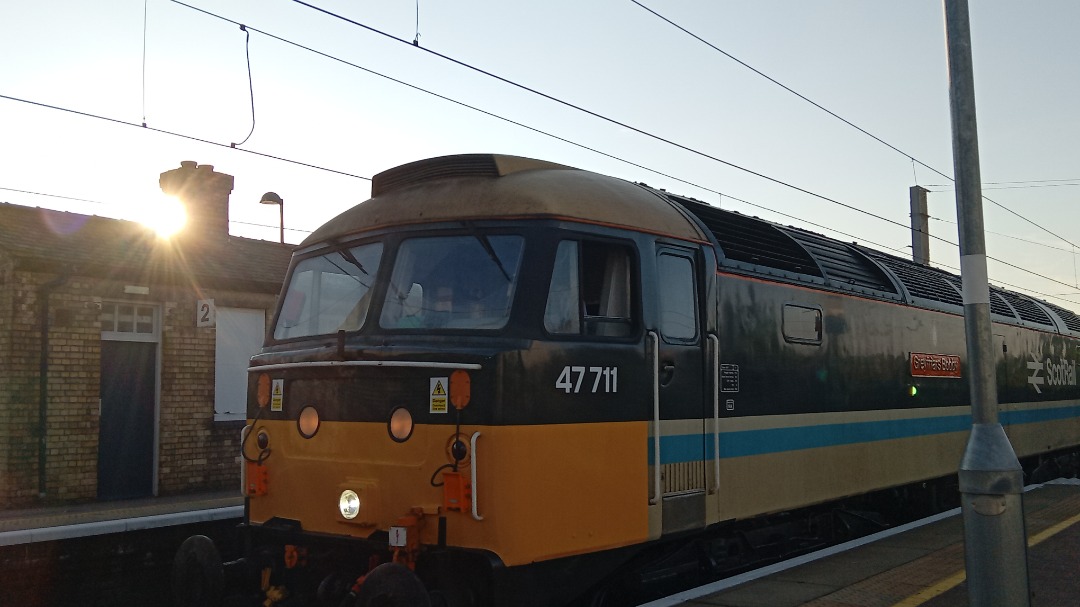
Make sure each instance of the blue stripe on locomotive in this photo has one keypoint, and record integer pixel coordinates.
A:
(682, 448)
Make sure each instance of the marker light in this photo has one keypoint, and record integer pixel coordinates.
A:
(912, 391)
(349, 504)
(308, 422)
(262, 392)
(460, 389)
(400, 425)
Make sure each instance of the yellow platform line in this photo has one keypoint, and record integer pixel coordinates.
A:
(958, 578)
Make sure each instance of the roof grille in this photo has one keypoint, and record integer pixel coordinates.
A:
(465, 165)
(841, 263)
(751, 240)
(1027, 309)
(998, 305)
(924, 282)
(1071, 320)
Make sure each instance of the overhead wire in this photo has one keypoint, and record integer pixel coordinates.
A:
(592, 113)
(146, 10)
(76, 199)
(251, 88)
(837, 116)
(679, 145)
(181, 135)
(780, 182)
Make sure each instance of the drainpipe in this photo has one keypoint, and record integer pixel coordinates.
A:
(43, 374)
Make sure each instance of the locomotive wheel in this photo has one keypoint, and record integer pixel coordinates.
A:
(198, 577)
(392, 585)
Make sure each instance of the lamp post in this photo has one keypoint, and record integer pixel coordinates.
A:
(273, 198)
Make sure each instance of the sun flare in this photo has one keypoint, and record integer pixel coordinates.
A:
(167, 218)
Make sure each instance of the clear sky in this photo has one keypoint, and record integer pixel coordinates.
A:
(880, 65)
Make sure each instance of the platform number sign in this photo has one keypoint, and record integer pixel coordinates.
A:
(205, 313)
(602, 380)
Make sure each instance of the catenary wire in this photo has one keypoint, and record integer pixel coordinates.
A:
(837, 116)
(146, 9)
(599, 116)
(181, 135)
(780, 182)
(251, 88)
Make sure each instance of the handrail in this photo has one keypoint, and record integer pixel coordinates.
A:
(714, 345)
(655, 340)
(472, 466)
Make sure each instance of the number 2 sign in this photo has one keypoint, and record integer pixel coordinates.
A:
(205, 313)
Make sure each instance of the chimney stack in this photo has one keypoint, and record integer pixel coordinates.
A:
(205, 196)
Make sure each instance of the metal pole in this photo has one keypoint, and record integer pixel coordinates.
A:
(281, 221)
(991, 480)
(920, 226)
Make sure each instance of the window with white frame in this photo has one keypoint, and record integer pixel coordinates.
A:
(129, 321)
(240, 334)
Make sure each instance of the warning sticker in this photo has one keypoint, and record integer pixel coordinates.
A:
(277, 395)
(437, 390)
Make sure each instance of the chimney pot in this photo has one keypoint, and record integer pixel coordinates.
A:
(188, 164)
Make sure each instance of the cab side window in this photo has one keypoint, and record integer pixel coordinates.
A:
(590, 291)
(678, 307)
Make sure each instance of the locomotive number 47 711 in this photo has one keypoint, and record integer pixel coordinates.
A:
(571, 377)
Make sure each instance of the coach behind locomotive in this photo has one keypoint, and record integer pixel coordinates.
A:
(499, 380)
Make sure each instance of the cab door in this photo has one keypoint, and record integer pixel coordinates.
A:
(680, 380)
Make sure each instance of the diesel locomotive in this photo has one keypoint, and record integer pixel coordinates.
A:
(501, 381)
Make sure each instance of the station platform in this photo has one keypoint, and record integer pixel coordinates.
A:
(53, 523)
(921, 564)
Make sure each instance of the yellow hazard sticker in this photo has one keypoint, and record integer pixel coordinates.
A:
(437, 391)
(277, 395)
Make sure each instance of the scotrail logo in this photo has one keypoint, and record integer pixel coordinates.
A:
(1061, 373)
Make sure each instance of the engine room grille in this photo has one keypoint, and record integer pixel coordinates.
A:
(924, 282)
(841, 263)
(1027, 309)
(1071, 320)
(751, 240)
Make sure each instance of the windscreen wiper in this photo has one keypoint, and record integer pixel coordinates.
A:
(484, 242)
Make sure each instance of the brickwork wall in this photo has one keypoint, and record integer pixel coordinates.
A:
(72, 390)
(195, 452)
(8, 389)
(74, 380)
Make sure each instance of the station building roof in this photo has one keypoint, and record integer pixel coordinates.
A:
(44, 240)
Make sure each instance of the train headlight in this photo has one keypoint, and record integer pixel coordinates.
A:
(308, 422)
(400, 424)
(349, 504)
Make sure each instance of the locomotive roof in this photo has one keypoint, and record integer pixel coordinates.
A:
(486, 186)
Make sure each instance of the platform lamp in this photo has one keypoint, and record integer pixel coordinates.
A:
(273, 198)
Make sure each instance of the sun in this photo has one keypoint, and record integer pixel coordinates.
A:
(166, 218)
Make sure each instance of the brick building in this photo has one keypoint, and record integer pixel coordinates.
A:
(123, 355)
